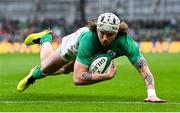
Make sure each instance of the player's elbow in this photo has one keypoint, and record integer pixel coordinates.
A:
(77, 80)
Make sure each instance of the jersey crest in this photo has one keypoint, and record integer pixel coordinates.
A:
(111, 53)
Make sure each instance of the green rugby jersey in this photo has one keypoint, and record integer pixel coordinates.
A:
(90, 46)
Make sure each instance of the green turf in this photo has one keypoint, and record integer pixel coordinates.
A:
(125, 92)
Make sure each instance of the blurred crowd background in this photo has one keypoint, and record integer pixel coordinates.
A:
(148, 20)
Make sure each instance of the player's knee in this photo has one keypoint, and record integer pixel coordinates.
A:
(66, 71)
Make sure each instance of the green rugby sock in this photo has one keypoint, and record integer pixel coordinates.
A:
(46, 38)
(37, 74)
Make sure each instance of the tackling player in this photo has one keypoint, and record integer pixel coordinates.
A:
(77, 50)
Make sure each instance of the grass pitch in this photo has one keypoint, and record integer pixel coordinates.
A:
(125, 92)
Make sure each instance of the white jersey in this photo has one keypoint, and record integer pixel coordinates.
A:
(69, 46)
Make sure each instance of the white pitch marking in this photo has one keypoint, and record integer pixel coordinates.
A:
(79, 102)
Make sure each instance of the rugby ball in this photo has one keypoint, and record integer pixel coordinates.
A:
(100, 63)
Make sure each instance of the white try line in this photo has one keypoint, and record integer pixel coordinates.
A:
(81, 102)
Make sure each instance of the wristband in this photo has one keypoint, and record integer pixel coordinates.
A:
(151, 92)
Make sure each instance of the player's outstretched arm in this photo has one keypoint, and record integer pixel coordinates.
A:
(144, 70)
(82, 76)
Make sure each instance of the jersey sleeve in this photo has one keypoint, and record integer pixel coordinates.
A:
(132, 50)
(84, 50)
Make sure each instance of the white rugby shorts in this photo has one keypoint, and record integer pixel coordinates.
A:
(69, 45)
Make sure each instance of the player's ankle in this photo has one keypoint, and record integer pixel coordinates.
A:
(46, 38)
(38, 74)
